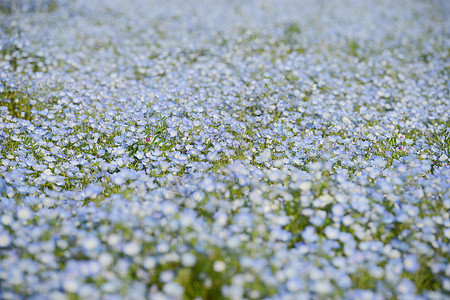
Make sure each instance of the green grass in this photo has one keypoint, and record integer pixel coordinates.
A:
(18, 104)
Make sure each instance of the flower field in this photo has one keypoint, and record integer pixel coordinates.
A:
(224, 149)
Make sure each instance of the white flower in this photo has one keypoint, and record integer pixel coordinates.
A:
(132, 248)
(294, 285)
(173, 289)
(7, 219)
(256, 196)
(113, 239)
(264, 156)
(338, 210)
(446, 232)
(446, 284)
(93, 190)
(24, 213)
(90, 243)
(166, 276)
(188, 259)
(346, 121)
(331, 232)
(305, 186)
(322, 201)
(70, 284)
(219, 266)
(411, 263)
(5, 239)
(149, 262)
(323, 287)
(105, 259)
(221, 218)
(406, 286)
(162, 247)
(118, 179)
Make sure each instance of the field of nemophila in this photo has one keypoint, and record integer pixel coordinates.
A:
(224, 149)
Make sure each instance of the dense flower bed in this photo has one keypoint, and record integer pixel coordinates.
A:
(224, 149)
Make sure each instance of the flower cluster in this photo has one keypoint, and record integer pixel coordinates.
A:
(227, 149)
